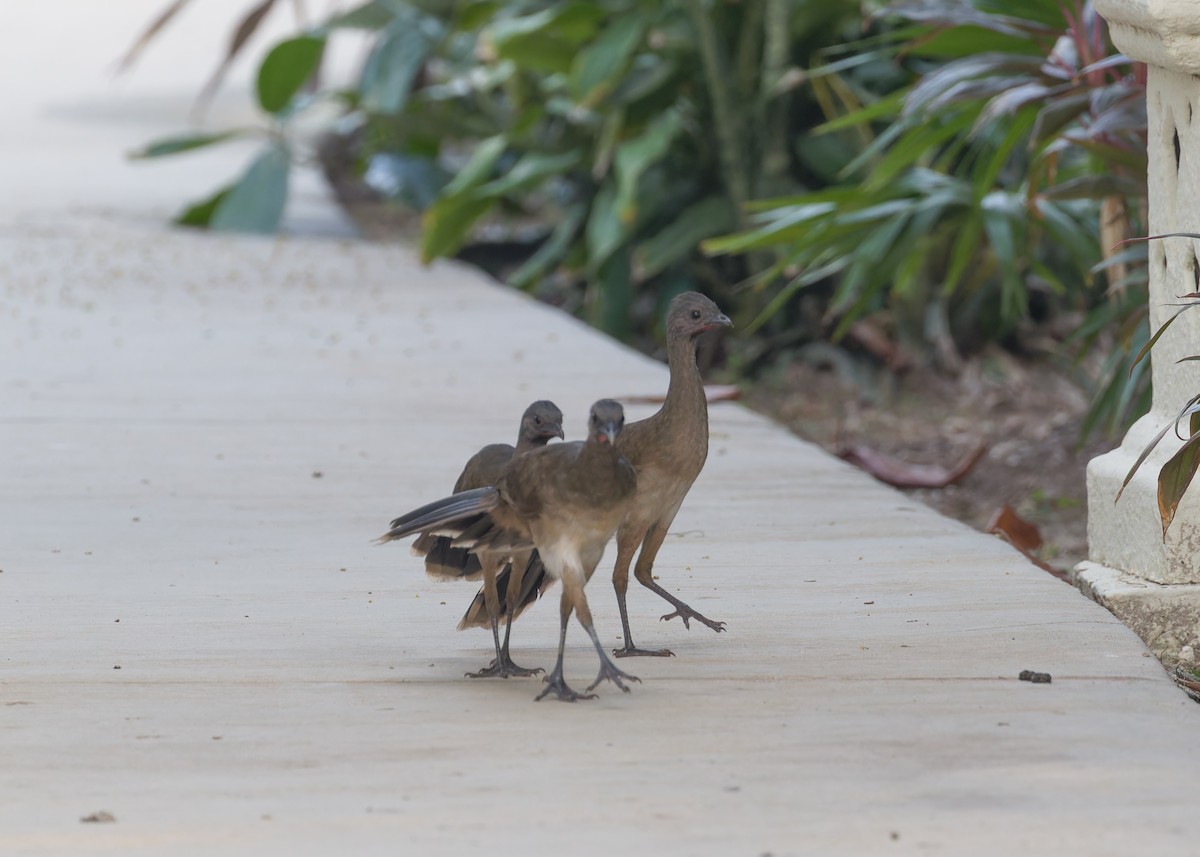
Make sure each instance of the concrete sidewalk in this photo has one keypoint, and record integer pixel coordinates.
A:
(200, 437)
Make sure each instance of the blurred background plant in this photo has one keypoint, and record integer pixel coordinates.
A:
(911, 181)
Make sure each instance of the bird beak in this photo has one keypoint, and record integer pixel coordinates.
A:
(718, 320)
(608, 433)
(558, 433)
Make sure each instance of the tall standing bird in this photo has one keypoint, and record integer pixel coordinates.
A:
(668, 451)
(541, 422)
(566, 500)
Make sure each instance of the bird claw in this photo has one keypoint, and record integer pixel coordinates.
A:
(685, 613)
(632, 651)
(563, 693)
(610, 672)
(504, 668)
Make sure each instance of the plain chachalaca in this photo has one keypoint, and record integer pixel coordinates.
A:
(668, 451)
(566, 500)
(541, 422)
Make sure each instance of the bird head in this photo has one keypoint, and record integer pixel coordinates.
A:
(541, 422)
(605, 422)
(691, 314)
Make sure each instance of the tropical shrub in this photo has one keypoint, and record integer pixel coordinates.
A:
(993, 183)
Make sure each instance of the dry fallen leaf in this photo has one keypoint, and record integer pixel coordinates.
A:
(901, 474)
(1021, 534)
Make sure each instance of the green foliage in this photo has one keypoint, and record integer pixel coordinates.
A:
(961, 167)
(628, 131)
(979, 182)
(287, 67)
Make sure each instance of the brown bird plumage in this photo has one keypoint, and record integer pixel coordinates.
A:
(541, 422)
(668, 451)
(566, 500)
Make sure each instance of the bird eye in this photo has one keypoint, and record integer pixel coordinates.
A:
(537, 421)
(696, 314)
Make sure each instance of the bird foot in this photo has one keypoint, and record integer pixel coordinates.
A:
(632, 651)
(504, 668)
(557, 686)
(685, 613)
(609, 671)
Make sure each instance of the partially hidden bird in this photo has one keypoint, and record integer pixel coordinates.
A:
(541, 422)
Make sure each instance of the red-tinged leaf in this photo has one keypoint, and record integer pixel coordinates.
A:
(1108, 62)
(241, 34)
(1022, 534)
(1140, 238)
(1174, 479)
(901, 474)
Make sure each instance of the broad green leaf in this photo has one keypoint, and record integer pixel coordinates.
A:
(1174, 479)
(709, 216)
(255, 203)
(1001, 212)
(473, 15)
(966, 249)
(598, 67)
(792, 221)
(546, 41)
(479, 167)
(970, 40)
(1096, 186)
(647, 74)
(814, 274)
(200, 214)
(1077, 238)
(446, 224)
(611, 296)
(389, 72)
(532, 169)
(286, 68)
(634, 156)
(553, 249)
(185, 143)
(884, 108)
(605, 230)
(544, 56)
(374, 15)
(1057, 115)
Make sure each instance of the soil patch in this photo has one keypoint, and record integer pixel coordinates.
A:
(1028, 412)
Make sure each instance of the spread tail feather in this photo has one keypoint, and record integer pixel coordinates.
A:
(443, 513)
(533, 584)
(446, 562)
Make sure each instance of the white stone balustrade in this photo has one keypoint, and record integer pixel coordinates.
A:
(1151, 582)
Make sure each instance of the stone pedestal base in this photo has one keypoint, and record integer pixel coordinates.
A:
(1127, 533)
(1166, 617)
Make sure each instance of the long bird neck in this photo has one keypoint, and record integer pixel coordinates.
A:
(685, 393)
